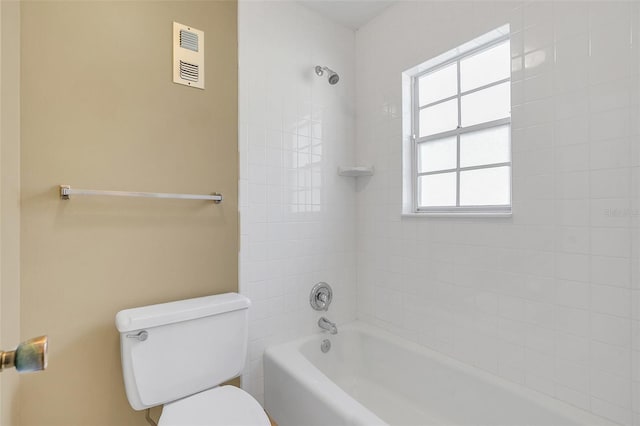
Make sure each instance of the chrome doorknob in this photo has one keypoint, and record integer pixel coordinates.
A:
(30, 355)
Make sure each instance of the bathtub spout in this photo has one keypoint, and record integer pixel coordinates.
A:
(325, 324)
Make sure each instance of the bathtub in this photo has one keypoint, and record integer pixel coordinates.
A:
(370, 377)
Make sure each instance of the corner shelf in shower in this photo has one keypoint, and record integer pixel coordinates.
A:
(355, 171)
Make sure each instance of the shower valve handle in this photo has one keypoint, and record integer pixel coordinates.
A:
(321, 296)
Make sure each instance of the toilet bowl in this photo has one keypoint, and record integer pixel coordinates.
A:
(177, 354)
(221, 406)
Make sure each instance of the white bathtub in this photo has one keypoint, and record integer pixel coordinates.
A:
(370, 377)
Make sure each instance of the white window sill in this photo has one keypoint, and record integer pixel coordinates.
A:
(458, 214)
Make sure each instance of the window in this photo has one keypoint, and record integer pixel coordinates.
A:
(461, 129)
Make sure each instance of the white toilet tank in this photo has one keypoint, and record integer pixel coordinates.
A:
(190, 346)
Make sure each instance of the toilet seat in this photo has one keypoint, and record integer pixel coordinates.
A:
(223, 406)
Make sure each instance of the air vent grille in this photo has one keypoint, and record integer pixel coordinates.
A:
(189, 40)
(188, 71)
(188, 56)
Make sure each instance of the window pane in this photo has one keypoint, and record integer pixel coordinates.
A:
(437, 190)
(486, 67)
(439, 118)
(485, 187)
(438, 85)
(485, 147)
(486, 105)
(439, 154)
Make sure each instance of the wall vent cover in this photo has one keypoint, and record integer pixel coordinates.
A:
(188, 56)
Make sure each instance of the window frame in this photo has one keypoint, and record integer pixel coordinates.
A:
(504, 209)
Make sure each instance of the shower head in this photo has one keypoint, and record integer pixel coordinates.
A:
(332, 76)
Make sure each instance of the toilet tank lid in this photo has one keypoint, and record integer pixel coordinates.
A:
(182, 310)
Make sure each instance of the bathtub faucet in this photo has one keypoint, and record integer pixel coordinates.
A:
(325, 324)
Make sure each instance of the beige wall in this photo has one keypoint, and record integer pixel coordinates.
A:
(9, 199)
(99, 111)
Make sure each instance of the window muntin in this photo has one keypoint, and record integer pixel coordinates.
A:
(462, 146)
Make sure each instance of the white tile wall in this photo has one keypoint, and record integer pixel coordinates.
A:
(297, 215)
(550, 297)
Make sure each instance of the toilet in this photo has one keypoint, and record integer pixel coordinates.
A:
(177, 354)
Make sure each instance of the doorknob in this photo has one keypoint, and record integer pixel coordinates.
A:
(30, 355)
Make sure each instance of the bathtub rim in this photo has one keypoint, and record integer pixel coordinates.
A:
(289, 357)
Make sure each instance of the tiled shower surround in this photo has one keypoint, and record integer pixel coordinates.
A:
(550, 297)
(297, 215)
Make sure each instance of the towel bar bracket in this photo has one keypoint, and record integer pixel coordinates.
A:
(64, 192)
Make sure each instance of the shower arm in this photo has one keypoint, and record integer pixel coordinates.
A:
(320, 70)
